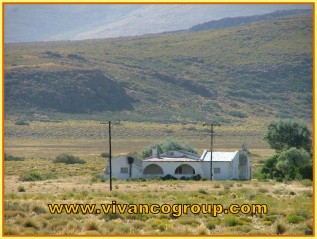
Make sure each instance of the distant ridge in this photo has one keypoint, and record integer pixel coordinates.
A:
(237, 21)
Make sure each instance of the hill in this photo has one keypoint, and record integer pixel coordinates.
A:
(262, 69)
(237, 21)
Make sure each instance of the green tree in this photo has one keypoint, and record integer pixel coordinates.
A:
(167, 145)
(284, 135)
(269, 169)
(291, 162)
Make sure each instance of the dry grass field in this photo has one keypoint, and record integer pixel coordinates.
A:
(25, 203)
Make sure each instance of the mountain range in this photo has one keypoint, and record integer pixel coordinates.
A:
(260, 69)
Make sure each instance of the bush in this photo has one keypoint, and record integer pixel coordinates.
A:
(294, 163)
(196, 177)
(96, 177)
(231, 221)
(307, 182)
(35, 176)
(168, 177)
(21, 122)
(269, 169)
(202, 191)
(238, 114)
(216, 185)
(31, 176)
(8, 157)
(211, 225)
(294, 218)
(105, 155)
(262, 190)
(21, 189)
(184, 178)
(280, 228)
(305, 171)
(68, 159)
(29, 222)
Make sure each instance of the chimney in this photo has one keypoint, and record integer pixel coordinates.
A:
(154, 152)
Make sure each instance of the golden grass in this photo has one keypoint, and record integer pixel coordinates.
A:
(26, 210)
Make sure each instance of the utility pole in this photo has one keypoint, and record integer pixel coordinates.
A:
(211, 144)
(110, 166)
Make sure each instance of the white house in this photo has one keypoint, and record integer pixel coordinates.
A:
(226, 165)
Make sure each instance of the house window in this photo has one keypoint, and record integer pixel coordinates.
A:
(124, 170)
(216, 170)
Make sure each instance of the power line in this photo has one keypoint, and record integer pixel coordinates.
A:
(211, 144)
(110, 156)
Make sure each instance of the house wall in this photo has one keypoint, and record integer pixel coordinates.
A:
(225, 170)
(170, 167)
(235, 167)
(244, 166)
(228, 169)
(122, 162)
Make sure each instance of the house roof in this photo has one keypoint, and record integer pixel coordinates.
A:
(205, 157)
(170, 159)
(218, 156)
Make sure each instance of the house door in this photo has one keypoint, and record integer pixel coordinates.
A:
(243, 167)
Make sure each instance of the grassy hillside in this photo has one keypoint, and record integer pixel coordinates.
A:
(257, 70)
(237, 21)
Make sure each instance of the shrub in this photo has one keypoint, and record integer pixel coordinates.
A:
(211, 225)
(8, 157)
(21, 122)
(105, 155)
(188, 221)
(243, 228)
(138, 224)
(307, 194)
(92, 225)
(269, 169)
(184, 178)
(96, 177)
(231, 221)
(294, 218)
(262, 190)
(280, 228)
(307, 182)
(196, 177)
(270, 218)
(68, 159)
(38, 209)
(305, 172)
(202, 191)
(238, 114)
(216, 185)
(29, 222)
(168, 177)
(35, 176)
(291, 162)
(21, 189)
(31, 176)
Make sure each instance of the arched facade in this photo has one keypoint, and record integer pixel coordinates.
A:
(153, 169)
(184, 169)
